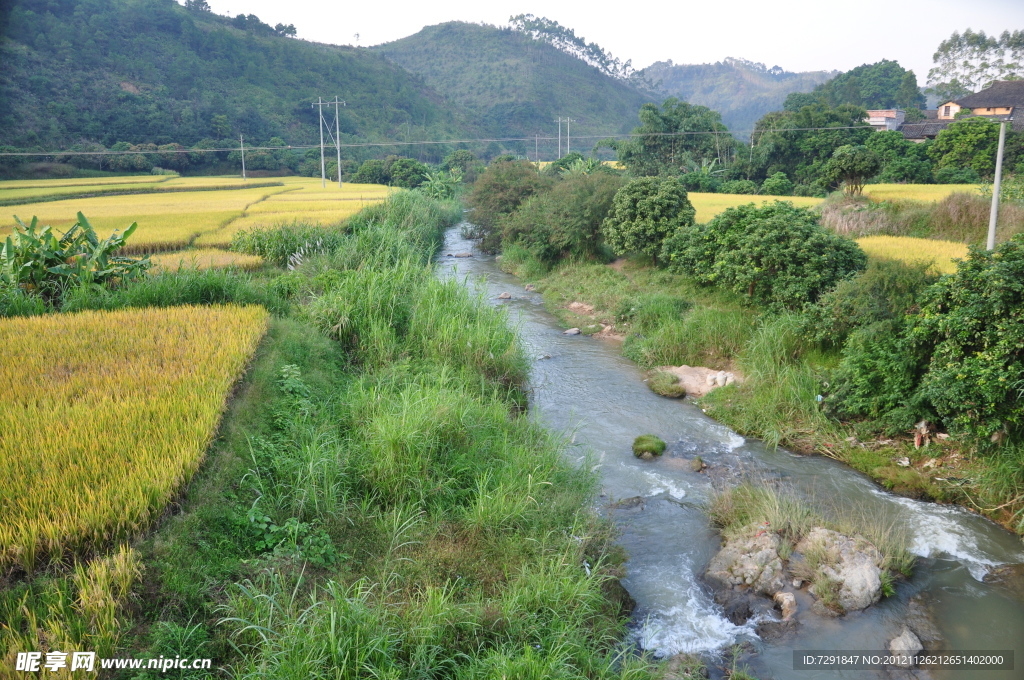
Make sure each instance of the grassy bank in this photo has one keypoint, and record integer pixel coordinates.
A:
(667, 319)
(373, 506)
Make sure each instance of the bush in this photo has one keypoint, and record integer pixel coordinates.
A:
(886, 290)
(498, 192)
(648, 444)
(776, 255)
(957, 176)
(644, 212)
(566, 221)
(974, 319)
(407, 173)
(373, 171)
(739, 186)
(777, 185)
(279, 244)
(850, 166)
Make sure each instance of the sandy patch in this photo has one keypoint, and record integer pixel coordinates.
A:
(581, 308)
(699, 380)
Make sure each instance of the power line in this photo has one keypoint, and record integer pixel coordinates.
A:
(479, 140)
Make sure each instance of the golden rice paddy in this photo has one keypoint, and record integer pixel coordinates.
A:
(915, 250)
(204, 218)
(917, 192)
(107, 415)
(205, 258)
(709, 205)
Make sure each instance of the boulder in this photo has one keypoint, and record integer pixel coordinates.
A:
(505, 296)
(529, 288)
(905, 644)
(853, 562)
(571, 331)
(752, 560)
(699, 380)
(462, 255)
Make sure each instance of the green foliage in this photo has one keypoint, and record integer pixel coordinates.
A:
(155, 72)
(882, 85)
(498, 192)
(644, 212)
(789, 141)
(777, 185)
(967, 143)
(442, 185)
(974, 319)
(739, 186)
(649, 444)
(460, 159)
(776, 255)
(954, 175)
(565, 222)
(279, 244)
(39, 261)
(654, 150)
(407, 173)
(556, 167)
(901, 160)
(885, 291)
(969, 61)
(851, 166)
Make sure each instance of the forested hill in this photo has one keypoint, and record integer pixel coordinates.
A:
(742, 91)
(512, 84)
(151, 71)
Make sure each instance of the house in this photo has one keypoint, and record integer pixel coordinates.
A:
(886, 119)
(999, 100)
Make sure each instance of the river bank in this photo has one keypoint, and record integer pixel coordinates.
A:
(663, 319)
(585, 387)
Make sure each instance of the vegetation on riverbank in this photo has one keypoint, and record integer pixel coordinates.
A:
(373, 505)
(815, 336)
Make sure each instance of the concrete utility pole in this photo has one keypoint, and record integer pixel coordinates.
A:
(337, 134)
(319, 103)
(993, 215)
(241, 145)
(559, 153)
(536, 149)
(568, 137)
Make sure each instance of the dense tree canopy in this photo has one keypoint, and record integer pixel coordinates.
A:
(644, 212)
(660, 149)
(882, 85)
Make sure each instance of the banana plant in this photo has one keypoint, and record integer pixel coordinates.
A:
(36, 259)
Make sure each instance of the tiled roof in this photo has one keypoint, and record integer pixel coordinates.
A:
(925, 129)
(1001, 93)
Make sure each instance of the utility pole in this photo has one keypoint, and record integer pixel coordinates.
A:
(993, 215)
(320, 104)
(337, 134)
(536, 149)
(241, 145)
(568, 138)
(559, 154)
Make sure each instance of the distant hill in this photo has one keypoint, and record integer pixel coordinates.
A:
(509, 83)
(151, 71)
(742, 91)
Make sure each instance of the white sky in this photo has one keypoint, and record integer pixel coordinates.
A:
(798, 35)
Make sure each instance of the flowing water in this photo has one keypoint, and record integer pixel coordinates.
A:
(584, 387)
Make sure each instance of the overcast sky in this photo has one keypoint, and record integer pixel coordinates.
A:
(798, 35)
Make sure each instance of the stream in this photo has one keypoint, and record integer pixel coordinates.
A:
(587, 390)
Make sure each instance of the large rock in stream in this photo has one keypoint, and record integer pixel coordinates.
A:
(852, 562)
(749, 560)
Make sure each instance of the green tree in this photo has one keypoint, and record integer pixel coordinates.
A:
(372, 171)
(851, 166)
(644, 212)
(967, 143)
(407, 173)
(901, 159)
(461, 159)
(777, 185)
(970, 61)
(498, 192)
(882, 85)
(657, 147)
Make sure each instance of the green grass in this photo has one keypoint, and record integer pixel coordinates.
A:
(648, 444)
(374, 505)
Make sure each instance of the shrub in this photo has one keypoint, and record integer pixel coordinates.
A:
(372, 171)
(648, 444)
(566, 221)
(776, 254)
(777, 185)
(407, 173)
(974, 319)
(886, 290)
(739, 186)
(498, 192)
(850, 166)
(644, 212)
(951, 175)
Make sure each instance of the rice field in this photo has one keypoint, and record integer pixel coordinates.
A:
(20, 193)
(709, 205)
(207, 217)
(107, 415)
(205, 258)
(912, 250)
(917, 192)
